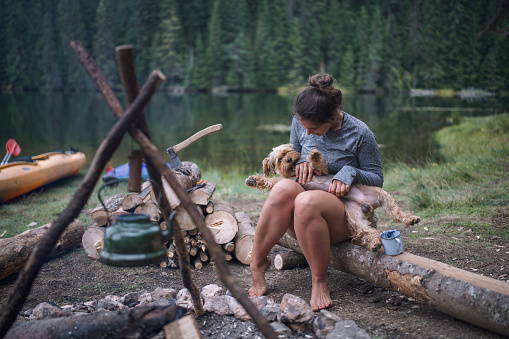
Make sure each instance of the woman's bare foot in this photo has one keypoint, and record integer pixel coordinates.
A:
(259, 286)
(320, 295)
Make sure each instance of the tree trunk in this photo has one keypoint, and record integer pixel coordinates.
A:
(222, 223)
(244, 238)
(14, 252)
(138, 322)
(473, 298)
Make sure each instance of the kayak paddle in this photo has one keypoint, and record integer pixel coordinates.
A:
(12, 148)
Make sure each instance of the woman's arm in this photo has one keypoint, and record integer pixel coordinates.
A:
(370, 171)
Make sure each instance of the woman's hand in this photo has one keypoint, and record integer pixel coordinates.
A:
(338, 188)
(304, 172)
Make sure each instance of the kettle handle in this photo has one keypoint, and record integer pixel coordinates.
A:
(116, 181)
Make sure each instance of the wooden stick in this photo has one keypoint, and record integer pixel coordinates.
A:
(104, 152)
(128, 74)
(135, 162)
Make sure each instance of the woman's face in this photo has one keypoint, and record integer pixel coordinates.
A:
(314, 128)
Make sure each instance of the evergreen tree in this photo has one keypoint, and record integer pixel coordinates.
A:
(193, 16)
(346, 75)
(310, 35)
(53, 79)
(262, 70)
(16, 29)
(71, 28)
(166, 55)
(103, 43)
(363, 78)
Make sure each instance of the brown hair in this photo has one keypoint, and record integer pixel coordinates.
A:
(319, 100)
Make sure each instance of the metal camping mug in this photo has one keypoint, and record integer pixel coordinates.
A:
(393, 245)
(134, 240)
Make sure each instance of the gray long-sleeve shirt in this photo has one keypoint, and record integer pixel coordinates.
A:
(351, 152)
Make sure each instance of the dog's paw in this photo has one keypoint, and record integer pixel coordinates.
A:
(315, 155)
(414, 220)
(376, 245)
(251, 181)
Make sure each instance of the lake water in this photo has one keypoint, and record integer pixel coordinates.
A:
(252, 123)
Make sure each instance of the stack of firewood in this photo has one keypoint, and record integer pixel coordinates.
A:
(233, 231)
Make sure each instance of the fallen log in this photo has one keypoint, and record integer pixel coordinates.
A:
(138, 322)
(14, 252)
(473, 298)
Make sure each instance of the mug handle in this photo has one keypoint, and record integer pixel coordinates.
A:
(399, 243)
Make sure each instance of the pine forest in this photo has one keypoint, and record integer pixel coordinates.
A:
(260, 45)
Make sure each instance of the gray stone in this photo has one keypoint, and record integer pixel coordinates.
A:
(347, 329)
(166, 293)
(145, 299)
(210, 290)
(131, 299)
(281, 329)
(110, 303)
(295, 310)
(184, 299)
(324, 323)
(47, 310)
(218, 304)
(271, 311)
(240, 312)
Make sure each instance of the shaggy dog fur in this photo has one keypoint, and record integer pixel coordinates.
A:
(360, 202)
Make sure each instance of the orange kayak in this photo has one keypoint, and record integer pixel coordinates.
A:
(19, 177)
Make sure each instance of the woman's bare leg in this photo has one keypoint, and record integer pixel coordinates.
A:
(275, 219)
(319, 220)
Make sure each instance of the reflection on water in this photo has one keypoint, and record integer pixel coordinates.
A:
(252, 124)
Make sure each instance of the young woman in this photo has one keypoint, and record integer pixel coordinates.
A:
(316, 218)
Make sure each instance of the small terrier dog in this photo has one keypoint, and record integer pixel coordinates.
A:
(360, 202)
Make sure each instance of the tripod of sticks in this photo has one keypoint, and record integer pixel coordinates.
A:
(133, 121)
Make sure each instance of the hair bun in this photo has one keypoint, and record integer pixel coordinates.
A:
(322, 82)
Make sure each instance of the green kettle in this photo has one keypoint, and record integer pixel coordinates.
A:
(134, 240)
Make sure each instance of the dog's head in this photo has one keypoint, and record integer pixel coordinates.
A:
(281, 161)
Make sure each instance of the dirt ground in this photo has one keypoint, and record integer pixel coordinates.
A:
(73, 277)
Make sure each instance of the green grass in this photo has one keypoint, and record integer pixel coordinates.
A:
(469, 180)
